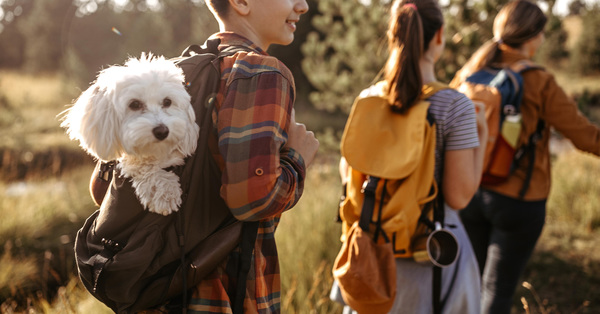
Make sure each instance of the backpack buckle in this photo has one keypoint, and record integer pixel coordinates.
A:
(111, 245)
(369, 186)
(106, 168)
(509, 110)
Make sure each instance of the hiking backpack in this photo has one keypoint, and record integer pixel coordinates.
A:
(501, 91)
(131, 259)
(391, 196)
(395, 153)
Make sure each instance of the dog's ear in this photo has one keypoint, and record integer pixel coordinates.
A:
(94, 122)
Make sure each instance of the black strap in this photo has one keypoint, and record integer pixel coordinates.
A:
(249, 233)
(530, 150)
(99, 261)
(181, 242)
(438, 216)
(338, 217)
(106, 170)
(366, 213)
(437, 289)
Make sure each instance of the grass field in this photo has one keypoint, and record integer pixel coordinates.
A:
(41, 210)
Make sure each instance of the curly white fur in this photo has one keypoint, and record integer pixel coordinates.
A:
(140, 115)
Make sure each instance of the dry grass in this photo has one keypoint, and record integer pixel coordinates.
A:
(308, 241)
(575, 197)
(40, 217)
(29, 106)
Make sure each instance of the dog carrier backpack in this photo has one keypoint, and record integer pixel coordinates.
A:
(131, 259)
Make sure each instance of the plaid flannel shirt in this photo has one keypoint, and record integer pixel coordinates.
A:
(261, 177)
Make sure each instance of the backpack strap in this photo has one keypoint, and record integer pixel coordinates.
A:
(519, 67)
(249, 229)
(438, 216)
(530, 150)
(249, 233)
(366, 213)
(431, 88)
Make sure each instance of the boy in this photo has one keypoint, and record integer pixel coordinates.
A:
(263, 153)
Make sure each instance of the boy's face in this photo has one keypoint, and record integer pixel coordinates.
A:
(274, 21)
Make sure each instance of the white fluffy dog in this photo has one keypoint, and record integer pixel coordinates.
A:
(140, 115)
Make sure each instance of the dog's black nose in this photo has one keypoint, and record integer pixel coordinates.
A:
(160, 132)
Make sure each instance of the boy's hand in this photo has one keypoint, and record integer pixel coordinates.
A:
(302, 140)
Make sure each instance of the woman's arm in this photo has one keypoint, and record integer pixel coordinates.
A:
(463, 167)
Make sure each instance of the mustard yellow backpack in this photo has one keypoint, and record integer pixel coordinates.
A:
(391, 160)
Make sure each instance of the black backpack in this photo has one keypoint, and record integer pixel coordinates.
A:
(131, 259)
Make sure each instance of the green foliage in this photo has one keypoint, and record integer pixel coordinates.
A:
(80, 37)
(43, 34)
(346, 52)
(586, 55)
(109, 37)
(468, 25)
(554, 48)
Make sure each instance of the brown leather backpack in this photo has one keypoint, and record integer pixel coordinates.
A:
(131, 259)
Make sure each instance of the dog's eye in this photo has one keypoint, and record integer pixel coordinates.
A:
(135, 105)
(167, 102)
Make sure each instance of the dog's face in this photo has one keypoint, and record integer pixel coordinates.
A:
(141, 108)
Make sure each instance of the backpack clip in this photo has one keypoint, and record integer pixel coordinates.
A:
(105, 171)
(111, 245)
(509, 110)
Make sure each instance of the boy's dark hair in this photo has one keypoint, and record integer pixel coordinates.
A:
(220, 7)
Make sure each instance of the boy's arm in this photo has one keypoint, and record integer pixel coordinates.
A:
(262, 177)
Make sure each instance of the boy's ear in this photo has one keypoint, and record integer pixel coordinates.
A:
(242, 7)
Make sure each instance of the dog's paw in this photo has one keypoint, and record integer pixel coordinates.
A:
(167, 195)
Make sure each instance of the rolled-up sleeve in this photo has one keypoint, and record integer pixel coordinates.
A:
(261, 178)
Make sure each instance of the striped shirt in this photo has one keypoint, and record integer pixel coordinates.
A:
(261, 177)
(456, 124)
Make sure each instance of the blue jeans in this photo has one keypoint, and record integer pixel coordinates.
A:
(503, 232)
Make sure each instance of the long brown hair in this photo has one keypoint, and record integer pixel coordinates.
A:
(413, 23)
(516, 23)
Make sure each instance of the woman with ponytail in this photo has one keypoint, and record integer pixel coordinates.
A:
(415, 42)
(502, 226)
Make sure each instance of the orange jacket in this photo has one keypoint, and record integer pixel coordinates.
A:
(544, 99)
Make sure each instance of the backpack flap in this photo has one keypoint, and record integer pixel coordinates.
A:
(370, 139)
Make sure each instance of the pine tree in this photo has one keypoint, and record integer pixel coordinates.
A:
(586, 55)
(554, 48)
(346, 52)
